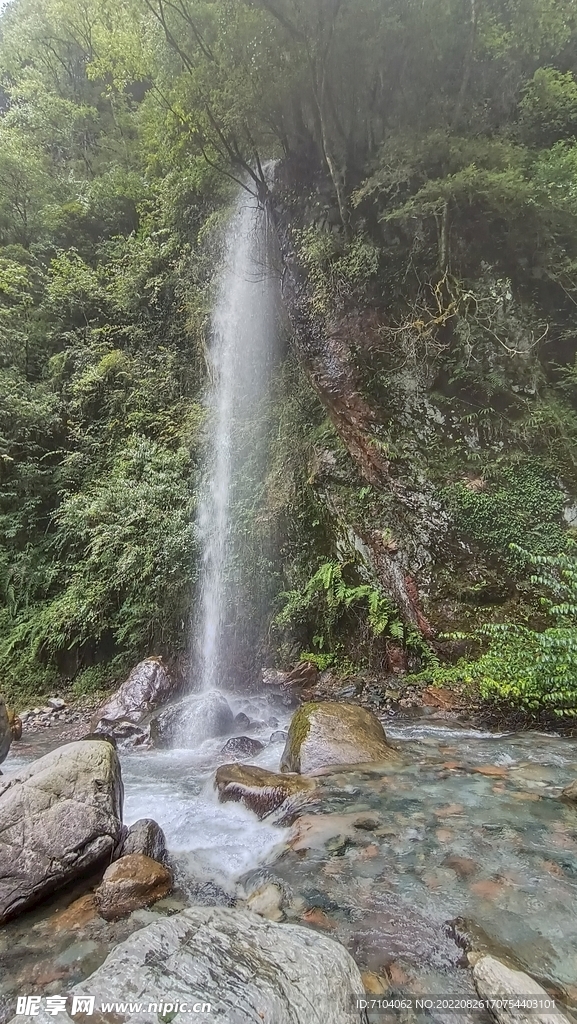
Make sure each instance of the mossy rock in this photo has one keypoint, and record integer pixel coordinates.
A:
(334, 734)
(258, 789)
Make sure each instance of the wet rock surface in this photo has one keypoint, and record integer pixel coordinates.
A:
(59, 817)
(321, 735)
(145, 836)
(132, 882)
(260, 790)
(148, 687)
(246, 967)
(192, 720)
(241, 747)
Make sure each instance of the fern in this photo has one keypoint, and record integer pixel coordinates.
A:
(327, 595)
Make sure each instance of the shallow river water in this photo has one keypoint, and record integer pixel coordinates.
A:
(465, 844)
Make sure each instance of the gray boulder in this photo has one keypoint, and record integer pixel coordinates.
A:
(5, 732)
(329, 733)
(508, 990)
(59, 817)
(148, 687)
(146, 837)
(247, 968)
(198, 717)
(238, 747)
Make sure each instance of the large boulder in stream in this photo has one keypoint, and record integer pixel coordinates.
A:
(196, 718)
(5, 732)
(330, 733)
(508, 990)
(260, 790)
(247, 968)
(60, 817)
(148, 687)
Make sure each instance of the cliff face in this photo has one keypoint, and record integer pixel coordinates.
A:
(423, 461)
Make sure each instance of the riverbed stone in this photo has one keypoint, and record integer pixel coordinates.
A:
(260, 790)
(267, 902)
(146, 837)
(148, 687)
(493, 980)
(330, 733)
(133, 882)
(570, 792)
(196, 718)
(242, 746)
(60, 817)
(248, 968)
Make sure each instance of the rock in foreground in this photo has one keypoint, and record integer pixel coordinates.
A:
(327, 734)
(495, 981)
(258, 789)
(148, 686)
(5, 732)
(130, 883)
(61, 816)
(248, 969)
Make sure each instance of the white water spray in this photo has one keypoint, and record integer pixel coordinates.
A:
(242, 351)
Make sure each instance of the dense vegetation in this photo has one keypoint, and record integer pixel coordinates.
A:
(428, 175)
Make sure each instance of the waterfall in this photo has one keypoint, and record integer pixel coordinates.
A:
(241, 356)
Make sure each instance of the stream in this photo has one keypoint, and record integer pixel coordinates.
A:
(466, 838)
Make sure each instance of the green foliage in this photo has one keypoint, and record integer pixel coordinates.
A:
(327, 597)
(548, 110)
(522, 504)
(532, 670)
(337, 271)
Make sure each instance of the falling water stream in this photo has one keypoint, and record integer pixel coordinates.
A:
(242, 356)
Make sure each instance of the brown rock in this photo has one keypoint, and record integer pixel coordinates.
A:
(318, 919)
(444, 835)
(463, 866)
(491, 769)
(375, 984)
(130, 883)
(398, 975)
(15, 724)
(258, 789)
(487, 888)
(77, 915)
